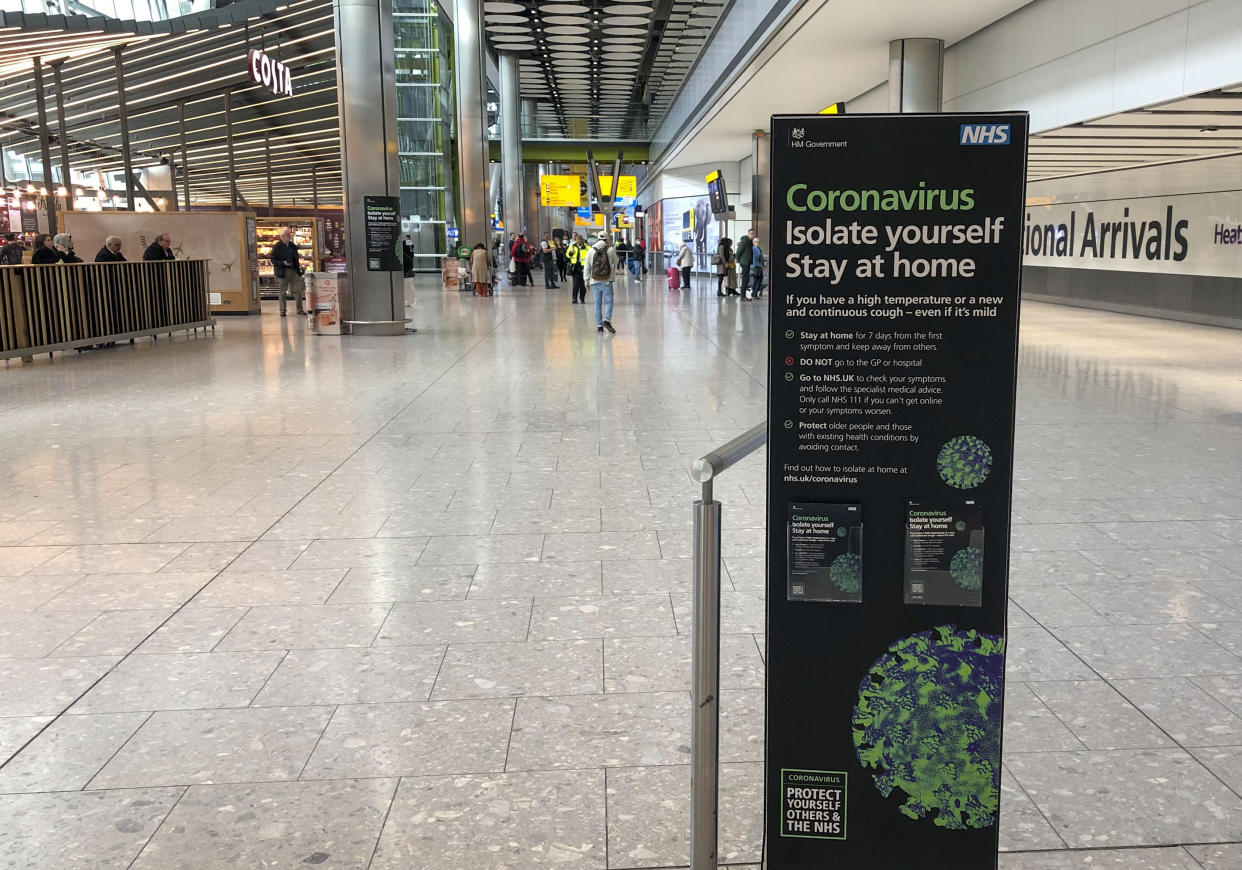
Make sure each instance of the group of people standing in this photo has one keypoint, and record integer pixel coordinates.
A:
(58, 248)
(747, 258)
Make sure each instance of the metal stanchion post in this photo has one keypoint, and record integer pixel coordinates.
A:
(705, 693)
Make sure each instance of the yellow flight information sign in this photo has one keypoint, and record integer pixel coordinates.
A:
(560, 190)
(598, 221)
(627, 189)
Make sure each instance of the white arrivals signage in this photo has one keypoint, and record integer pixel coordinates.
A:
(272, 74)
(1190, 234)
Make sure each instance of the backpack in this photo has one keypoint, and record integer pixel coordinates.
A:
(601, 269)
(522, 250)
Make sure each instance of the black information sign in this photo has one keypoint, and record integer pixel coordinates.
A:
(944, 553)
(825, 552)
(895, 282)
(382, 216)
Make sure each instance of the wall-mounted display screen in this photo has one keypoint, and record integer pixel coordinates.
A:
(716, 195)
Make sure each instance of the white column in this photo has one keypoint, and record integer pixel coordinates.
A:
(915, 75)
(511, 142)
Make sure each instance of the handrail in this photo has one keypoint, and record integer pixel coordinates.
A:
(705, 642)
(729, 454)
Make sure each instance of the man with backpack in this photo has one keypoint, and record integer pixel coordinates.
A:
(601, 266)
(521, 253)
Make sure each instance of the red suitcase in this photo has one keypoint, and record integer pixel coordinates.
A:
(674, 277)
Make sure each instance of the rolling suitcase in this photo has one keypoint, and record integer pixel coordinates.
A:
(674, 277)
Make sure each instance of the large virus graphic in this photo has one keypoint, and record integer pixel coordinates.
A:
(928, 724)
(964, 462)
(966, 569)
(845, 572)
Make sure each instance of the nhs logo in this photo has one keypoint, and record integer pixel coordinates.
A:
(985, 134)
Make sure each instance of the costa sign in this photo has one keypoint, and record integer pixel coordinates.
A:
(272, 74)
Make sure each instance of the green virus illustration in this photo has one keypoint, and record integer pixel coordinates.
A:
(964, 462)
(928, 722)
(966, 569)
(845, 572)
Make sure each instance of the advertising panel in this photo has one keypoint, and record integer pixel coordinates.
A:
(689, 219)
(895, 270)
(1192, 234)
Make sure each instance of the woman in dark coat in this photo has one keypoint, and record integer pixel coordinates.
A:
(724, 253)
(44, 251)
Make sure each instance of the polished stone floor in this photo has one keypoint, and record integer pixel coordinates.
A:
(271, 600)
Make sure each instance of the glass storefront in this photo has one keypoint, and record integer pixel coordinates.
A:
(425, 123)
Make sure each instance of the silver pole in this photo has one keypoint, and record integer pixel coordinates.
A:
(123, 114)
(185, 156)
(45, 147)
(760, 189)
(472, 153)
(267, 158)
(228, 146)
(511, 143)
(66, 177)
(705, 690)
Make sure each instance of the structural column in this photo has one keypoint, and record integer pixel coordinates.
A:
(915, 75)
(45, 148)
(472, 155)
(367, 90)
(228, 146)
(760, 188)
(511, 142)
(123, 117)
(62, 132)
(533, 214)
(185, 157)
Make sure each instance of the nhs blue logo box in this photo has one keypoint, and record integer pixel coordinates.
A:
(985, 134)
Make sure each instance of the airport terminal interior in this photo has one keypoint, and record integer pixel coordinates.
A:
(388, 555)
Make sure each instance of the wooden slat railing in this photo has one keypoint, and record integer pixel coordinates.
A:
(67, 305)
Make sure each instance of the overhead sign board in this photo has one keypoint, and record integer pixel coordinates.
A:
(626, 190)
(895, 271)
(270, 73)
(596, 220)
(557, 191)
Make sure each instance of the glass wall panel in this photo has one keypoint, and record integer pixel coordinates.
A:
(423, 40)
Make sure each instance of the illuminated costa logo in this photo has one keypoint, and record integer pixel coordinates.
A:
(272, 74)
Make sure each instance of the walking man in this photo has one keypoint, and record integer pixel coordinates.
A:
(286, 265)
(601, 267)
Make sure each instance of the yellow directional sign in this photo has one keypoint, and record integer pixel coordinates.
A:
(834, 109)
(627, 189)
(560, 190)
(598, 221)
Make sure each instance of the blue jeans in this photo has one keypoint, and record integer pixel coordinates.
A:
(634, 266)
(603, 299)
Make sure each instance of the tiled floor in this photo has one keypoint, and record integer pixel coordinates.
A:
(270, 600)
